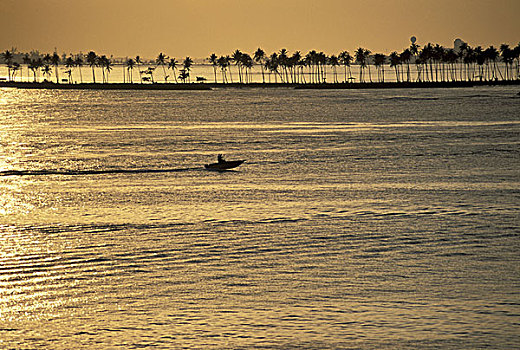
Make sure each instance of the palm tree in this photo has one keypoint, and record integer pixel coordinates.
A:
(247, 63)
(361, 60)
(26, 60)
(294, 63)
(379, 62)
(149, 71)
(438, 54)
(237, 58)
(507, 57)
(301, 65)
(108, 67)
(79, 63)
(69, 63)
(405, 57)
(469, 58)
(310, 59)
(346, 59)
(334, 62)
(282, 62)
(516, 56)
(187, 63)
(259, 57)
(173, 66)
(367, 57)
(184, 74)
(450, 57)
(223, 63)
(414, 49)
(130, 63)
(480, 59)
(426, 55)
(138, 62)
(55, 60)
(8, 60)
(35, 65)
(272, 65)
(492, 55)
(92, 61)
(395, 60)
(161, 61)
(322, 60)
(47, 70)
(213, 60)
(101, 61)
(15, 68)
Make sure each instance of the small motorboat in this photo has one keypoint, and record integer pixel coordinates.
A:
(224, 165)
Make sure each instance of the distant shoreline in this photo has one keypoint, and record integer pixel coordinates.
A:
(210, 86)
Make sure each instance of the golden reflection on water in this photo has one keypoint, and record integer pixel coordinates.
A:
(16, 122)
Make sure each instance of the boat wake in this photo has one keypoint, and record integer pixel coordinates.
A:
(91, 172)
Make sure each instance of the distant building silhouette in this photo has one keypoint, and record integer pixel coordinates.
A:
(457, 44)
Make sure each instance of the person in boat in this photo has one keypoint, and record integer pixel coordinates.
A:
(220, 158)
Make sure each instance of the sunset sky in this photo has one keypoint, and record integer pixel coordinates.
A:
(200, 27)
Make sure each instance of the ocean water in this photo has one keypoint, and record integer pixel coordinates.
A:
(362, 219)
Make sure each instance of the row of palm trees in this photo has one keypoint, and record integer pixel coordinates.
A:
(433, 63)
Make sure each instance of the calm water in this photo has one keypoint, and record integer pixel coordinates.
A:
(361, 219)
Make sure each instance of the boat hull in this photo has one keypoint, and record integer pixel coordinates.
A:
(224, 165)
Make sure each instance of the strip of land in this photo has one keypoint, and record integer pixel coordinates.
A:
(209, 86)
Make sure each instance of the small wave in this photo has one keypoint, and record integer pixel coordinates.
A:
(405, 98)
(478, 96)
(91, 172)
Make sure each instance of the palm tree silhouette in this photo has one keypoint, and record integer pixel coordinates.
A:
(379, 62)
(138, 62)
(405, 57)
(92, 61)
(55, 60)
(361, 60)
(47, 70)
(516, 56)
(79, 63)
(237, 58)
(184, 74)
(69, 63)
(101, 61)
(26, 60)
(345, 59)
(247, 62)
(259, 57)
(283, 62)
(213, 60)
(450, 56)
(173, 66)
(161, 61)
(223, 63)
(507, 57)
(334, 62)
(15, 67)
(108, 67)
(367, 58)
(130, 63)
(8, 60)
(395, 60)
(187, 63)
(294, 64)
(35, 65)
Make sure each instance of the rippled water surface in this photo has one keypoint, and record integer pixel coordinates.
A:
(361, 219)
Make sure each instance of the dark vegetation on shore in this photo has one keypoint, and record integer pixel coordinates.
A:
(210, 86)
(435, 66)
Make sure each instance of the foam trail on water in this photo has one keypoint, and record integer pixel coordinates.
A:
(90, 172)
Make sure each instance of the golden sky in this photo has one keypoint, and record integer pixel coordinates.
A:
(200, 27)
